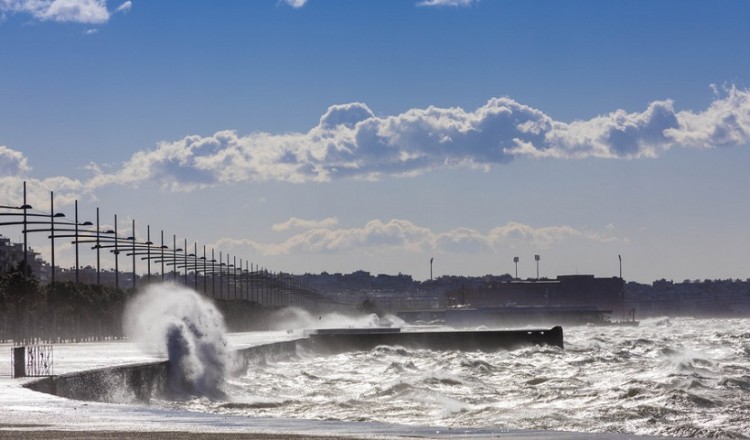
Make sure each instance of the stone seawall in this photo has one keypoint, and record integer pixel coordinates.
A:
(142, 382)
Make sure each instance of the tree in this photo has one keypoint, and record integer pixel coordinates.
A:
(19, 288)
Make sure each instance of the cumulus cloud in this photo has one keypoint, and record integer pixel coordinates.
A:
(295, 3)
(445, 3)
(14, 170)
(12, 162)
(69, 11)
(66, 191)
(350, 141)
(296, 223)
(300, 3)
(317, 237)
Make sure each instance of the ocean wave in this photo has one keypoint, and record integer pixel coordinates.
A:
(647, 380)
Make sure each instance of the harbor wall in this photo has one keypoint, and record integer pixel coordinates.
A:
(143, 382)
(140, 383)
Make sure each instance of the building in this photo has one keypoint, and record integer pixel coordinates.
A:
(11, 254)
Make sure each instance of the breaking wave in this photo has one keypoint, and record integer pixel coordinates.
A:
(177, 322)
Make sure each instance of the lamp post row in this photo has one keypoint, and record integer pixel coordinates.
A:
(242, 280)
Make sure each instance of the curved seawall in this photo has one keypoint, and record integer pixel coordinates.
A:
(169, 378)
(142, 382)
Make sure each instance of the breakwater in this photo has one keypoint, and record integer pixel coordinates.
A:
(165, 379)
(145, 381)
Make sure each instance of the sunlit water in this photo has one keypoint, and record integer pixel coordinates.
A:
(674, 377)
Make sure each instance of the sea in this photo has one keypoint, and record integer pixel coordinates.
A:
(679, 377)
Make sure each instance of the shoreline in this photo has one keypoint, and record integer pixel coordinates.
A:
(38, 432)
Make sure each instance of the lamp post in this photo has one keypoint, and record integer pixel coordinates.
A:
(79, 237)
(186, 265)
(431, 260)
(619, 257)
(132, 238)
(515, 260)
(195, 271)
(536, 257)
(221, 283)
(25, 207)
(205, 275)
(213, 274)
(117, 254)
(98, 258)
(49, 222)
(148, 253)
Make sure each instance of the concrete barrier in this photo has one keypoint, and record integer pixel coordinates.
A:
(143, 382)
(341, 340)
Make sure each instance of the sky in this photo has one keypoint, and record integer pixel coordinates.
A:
(340, 135)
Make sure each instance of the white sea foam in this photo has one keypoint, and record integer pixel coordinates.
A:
(648, 380)
(294, 318)
(167, 319)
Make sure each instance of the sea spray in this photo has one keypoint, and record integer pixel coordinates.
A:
(174, 321)
(293, 318)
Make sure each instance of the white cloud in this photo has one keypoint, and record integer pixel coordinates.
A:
(296, 223)
(72, 11)
(295, 3)
(404, 236)
(125, 7)
(12, 162)
(38, 191)
(445, 3)
(350, 141)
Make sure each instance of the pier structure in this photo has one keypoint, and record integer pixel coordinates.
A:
(145, 381)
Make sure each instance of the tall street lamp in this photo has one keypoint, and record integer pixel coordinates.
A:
(515, 260)
(536, 257)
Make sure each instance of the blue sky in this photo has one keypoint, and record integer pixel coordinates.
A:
(343, 135)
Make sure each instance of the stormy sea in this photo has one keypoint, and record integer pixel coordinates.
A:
(676, 377)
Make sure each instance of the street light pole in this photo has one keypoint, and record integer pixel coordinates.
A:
(25, 207)
(186, 265)
(536, 257)
(174, 250)
(148, 253)
(133, 255)
(431, 260)
(98, 257)
(221, 283)
(162, 255)
(76, 232)
(52, 234)
(117, 254)
(515, 260)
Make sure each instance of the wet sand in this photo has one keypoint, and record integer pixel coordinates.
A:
(42, 434)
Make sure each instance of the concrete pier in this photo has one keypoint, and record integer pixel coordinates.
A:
(142, 382)
(341, 340)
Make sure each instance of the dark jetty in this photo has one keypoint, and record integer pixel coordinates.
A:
(341, 340)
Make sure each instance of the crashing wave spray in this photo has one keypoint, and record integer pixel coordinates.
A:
(294, 318)
(167, 319)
